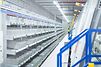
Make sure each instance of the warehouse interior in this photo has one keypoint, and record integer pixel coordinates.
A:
(50, 33)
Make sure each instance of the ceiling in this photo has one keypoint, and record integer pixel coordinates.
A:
(68, 7)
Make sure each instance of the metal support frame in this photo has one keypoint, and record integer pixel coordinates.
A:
(88, 56)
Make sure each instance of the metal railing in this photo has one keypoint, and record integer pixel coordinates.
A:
(88, 46)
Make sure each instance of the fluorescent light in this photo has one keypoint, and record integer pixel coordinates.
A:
(65, 8)
(75, 10)
(77, 4)
(74, 14)
(82, 4)
(55, 2)
(59, 8)
(79, 11)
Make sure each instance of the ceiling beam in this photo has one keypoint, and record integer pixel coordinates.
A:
(70, 6)
(68, 9)
(58, 2)
(69, 14)
(72, 2)
(54, 8)
(62, 4)
(54, 5)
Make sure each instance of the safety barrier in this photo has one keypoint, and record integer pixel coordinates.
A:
(88, 46)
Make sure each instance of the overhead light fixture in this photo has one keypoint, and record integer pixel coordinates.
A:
(82, 4)
(75, 10)
(79, 11)
(65, 8)
(59, 8)
(74, 14)
(55, 2)
(77, 4)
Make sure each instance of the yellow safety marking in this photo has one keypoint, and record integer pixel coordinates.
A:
(91, 65)
(72, 24)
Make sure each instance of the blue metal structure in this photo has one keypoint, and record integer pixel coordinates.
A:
(88, 45)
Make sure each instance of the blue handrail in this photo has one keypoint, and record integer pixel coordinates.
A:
(68, 45)
(88, 56)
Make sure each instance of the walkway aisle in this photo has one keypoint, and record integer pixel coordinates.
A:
(51, 61)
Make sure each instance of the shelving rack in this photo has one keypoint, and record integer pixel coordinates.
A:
(43, 55)
(27, 35)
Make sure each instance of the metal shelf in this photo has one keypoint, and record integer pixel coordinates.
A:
(39, 49)
(34, 41)
(38, 60)
(11, 34)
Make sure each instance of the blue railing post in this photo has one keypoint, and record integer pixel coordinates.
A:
(87, 47)
(90, 45)
(58, 60)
